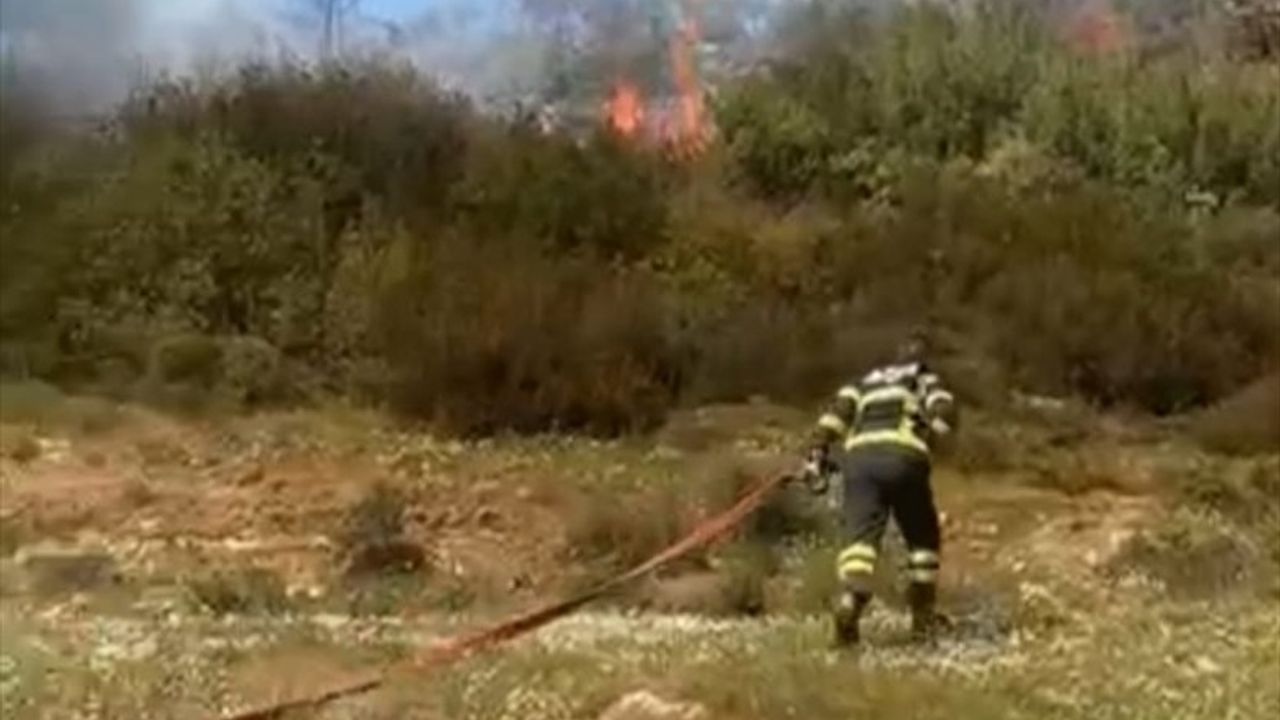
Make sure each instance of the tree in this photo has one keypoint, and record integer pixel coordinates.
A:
(332, 14)
(1255, 27)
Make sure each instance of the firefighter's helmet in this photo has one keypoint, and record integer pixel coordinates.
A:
(914, 348)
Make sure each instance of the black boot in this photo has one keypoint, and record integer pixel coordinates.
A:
(921, 598)
(847, 616)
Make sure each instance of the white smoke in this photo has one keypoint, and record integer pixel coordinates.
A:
(82, 56)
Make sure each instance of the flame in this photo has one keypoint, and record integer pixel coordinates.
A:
(1097, 29)
(625, 108)
(683, 125)
(691, 131)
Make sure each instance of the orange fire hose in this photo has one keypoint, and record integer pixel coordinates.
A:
(458, 648)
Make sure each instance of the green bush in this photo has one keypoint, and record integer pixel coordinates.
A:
(936, 84)
(601, 196)
(238, 591)
(1245, 423)
(186, 358)
(370, 130)
(373, 540)
(618, 529)
(1099, 225)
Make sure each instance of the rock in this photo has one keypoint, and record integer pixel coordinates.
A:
(391, 556)
(251, 475)
(644, 705)
(487, 517)
(304, 590)
(1039, 608)
(1206, 666)
(689, 593)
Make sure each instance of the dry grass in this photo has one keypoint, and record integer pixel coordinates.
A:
(239, 591)
(750, 640)
(1247, 423)
(45, 408)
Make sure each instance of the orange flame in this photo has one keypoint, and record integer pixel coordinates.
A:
(1097, 29)
(625, 109)
(683, 126)
(692, 130)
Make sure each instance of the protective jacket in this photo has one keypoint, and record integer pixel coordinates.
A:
(905, 406)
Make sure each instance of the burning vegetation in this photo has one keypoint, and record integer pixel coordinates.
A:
(678, 120)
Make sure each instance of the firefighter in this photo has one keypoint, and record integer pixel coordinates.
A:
(883, 427)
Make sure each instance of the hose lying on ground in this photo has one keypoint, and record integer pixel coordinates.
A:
(458, 648)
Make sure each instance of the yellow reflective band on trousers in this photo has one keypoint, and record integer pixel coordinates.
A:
(922, 566)
(857, 559)
(923, 557)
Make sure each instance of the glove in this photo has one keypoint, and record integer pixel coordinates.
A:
(816, 469)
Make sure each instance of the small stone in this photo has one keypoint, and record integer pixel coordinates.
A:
(251, 475)
(51, 569)
(1206, 666)
(644, 705)
(487, 517)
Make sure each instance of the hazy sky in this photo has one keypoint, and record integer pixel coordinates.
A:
(88, 52)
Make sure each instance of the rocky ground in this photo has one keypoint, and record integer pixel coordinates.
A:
(157, 568)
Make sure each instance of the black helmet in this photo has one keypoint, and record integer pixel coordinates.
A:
(914, 347)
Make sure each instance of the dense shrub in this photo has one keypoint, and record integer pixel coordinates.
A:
(939, 84)
(484, 336)
(1245, 423)
(601, 196)
(1098, 223)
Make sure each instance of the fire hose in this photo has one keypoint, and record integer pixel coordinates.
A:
(456, 649)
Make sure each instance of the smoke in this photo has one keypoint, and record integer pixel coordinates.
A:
(81, 56)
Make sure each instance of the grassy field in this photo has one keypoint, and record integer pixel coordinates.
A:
(161, 568)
